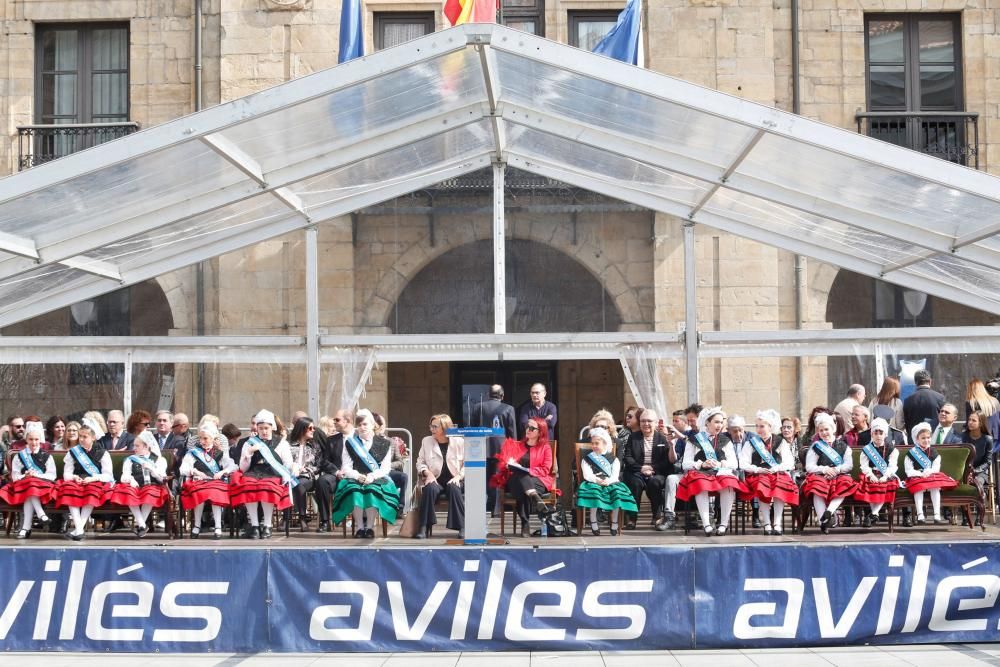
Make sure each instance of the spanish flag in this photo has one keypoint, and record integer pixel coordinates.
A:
(470, 11)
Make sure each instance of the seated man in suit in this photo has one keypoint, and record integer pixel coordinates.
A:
(945, 433)
(649, 458)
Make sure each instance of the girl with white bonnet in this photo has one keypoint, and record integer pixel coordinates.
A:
(923, 473)
(205, 471)
(828, 471)
(141, 487)
(33, 473)
(768, 462)
(710, 467)
(366, 487)
(265, 480)
(879, 464)
(601, 487)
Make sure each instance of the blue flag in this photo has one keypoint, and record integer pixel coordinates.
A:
(352, 41)
(622, 42)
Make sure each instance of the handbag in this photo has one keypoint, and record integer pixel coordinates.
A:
(411, 522)
(556, 521)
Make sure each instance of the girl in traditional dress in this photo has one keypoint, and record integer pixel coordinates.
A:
(923, 473)
(86, 482)
(33, 473)
(524, 470)
(206, 470)
(828, 471)
(366, 486)
(709, 467)
(601, 487)
(264, 480)
(768, 461)
(879, 465)
(141, 487)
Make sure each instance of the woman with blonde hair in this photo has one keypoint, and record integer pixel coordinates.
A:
(441, 469)
(978, 399)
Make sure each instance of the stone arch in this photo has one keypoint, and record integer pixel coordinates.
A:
(547, 290)
(177, 300)
(418, 255)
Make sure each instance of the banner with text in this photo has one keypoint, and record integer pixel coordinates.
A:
(249, 600)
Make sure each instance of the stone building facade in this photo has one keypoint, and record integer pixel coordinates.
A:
(368, 261)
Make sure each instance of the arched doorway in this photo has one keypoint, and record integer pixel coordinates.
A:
(547, 291)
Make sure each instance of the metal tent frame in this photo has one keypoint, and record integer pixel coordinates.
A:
(457, 101)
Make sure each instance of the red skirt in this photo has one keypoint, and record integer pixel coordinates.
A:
(195, 492)
(79, 494)
(149, 494)
(17, 492)
(695, 482)
(876, 492)
(840, 486)
(937, 480)
(768, 487)
(244, 489)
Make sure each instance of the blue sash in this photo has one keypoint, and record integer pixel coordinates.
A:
(706, 446)
(135, 458)
(872, 453)
(922, 459)
(275, 464)
(81, 456)
(209, 462)
(758, 446)
(358, 448)
(599, 462)
(830, 452)
(28, 462)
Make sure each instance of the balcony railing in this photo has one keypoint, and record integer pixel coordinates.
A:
(952, 136)
(43, 143)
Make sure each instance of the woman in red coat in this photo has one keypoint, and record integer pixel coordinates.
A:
(524, 470)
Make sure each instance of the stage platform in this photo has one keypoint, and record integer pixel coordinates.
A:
(643, 535)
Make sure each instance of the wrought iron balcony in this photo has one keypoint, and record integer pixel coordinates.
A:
(43, 143)
(951, 135)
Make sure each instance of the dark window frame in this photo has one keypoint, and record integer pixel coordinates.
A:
(577, 16)
(900, 318)
(85, 68)
(535, 13)
(911, 59)
(382, 19)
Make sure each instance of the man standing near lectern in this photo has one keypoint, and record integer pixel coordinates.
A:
(494, 413)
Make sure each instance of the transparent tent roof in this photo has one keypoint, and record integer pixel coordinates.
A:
(453, 102)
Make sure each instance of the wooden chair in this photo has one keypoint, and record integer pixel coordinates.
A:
(580, 450)
(511, 504)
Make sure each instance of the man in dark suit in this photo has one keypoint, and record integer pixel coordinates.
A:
(116, 439)
(331, 460)
(494, 413)
(923, 404)
(945, 433)
(649, 459)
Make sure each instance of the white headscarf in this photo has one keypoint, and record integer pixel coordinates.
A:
(34, 427)
(92, 425)
(922, 426)
(264, 417)
(708, 413)
(826, 418)
(771, 417)
(880, 425)
(603, 435)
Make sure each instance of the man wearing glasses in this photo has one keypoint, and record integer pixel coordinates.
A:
(116, 439)
(537, 407)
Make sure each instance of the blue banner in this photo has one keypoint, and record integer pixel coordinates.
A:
(458, 599)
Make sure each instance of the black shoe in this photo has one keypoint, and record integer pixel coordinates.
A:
(140, 531)
(938, 521)
(324, 527)
(907, 521)
(630, 523)
(76, 537)
(303, 525)
(23, 534)
(253, 533)
(359, 533)
(921, 521)
(614, 532)
(824, 522)
(369, 533)
(45, 524)
(757, 524)
(421, 534)
(867, 521)
(195, 532)
(525, 530)
(595, 529)
(116, 524)
(266, 532)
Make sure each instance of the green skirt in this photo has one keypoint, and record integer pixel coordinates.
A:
(350, 494)
(616, 496)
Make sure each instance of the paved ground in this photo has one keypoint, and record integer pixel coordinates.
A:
(927, 655)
